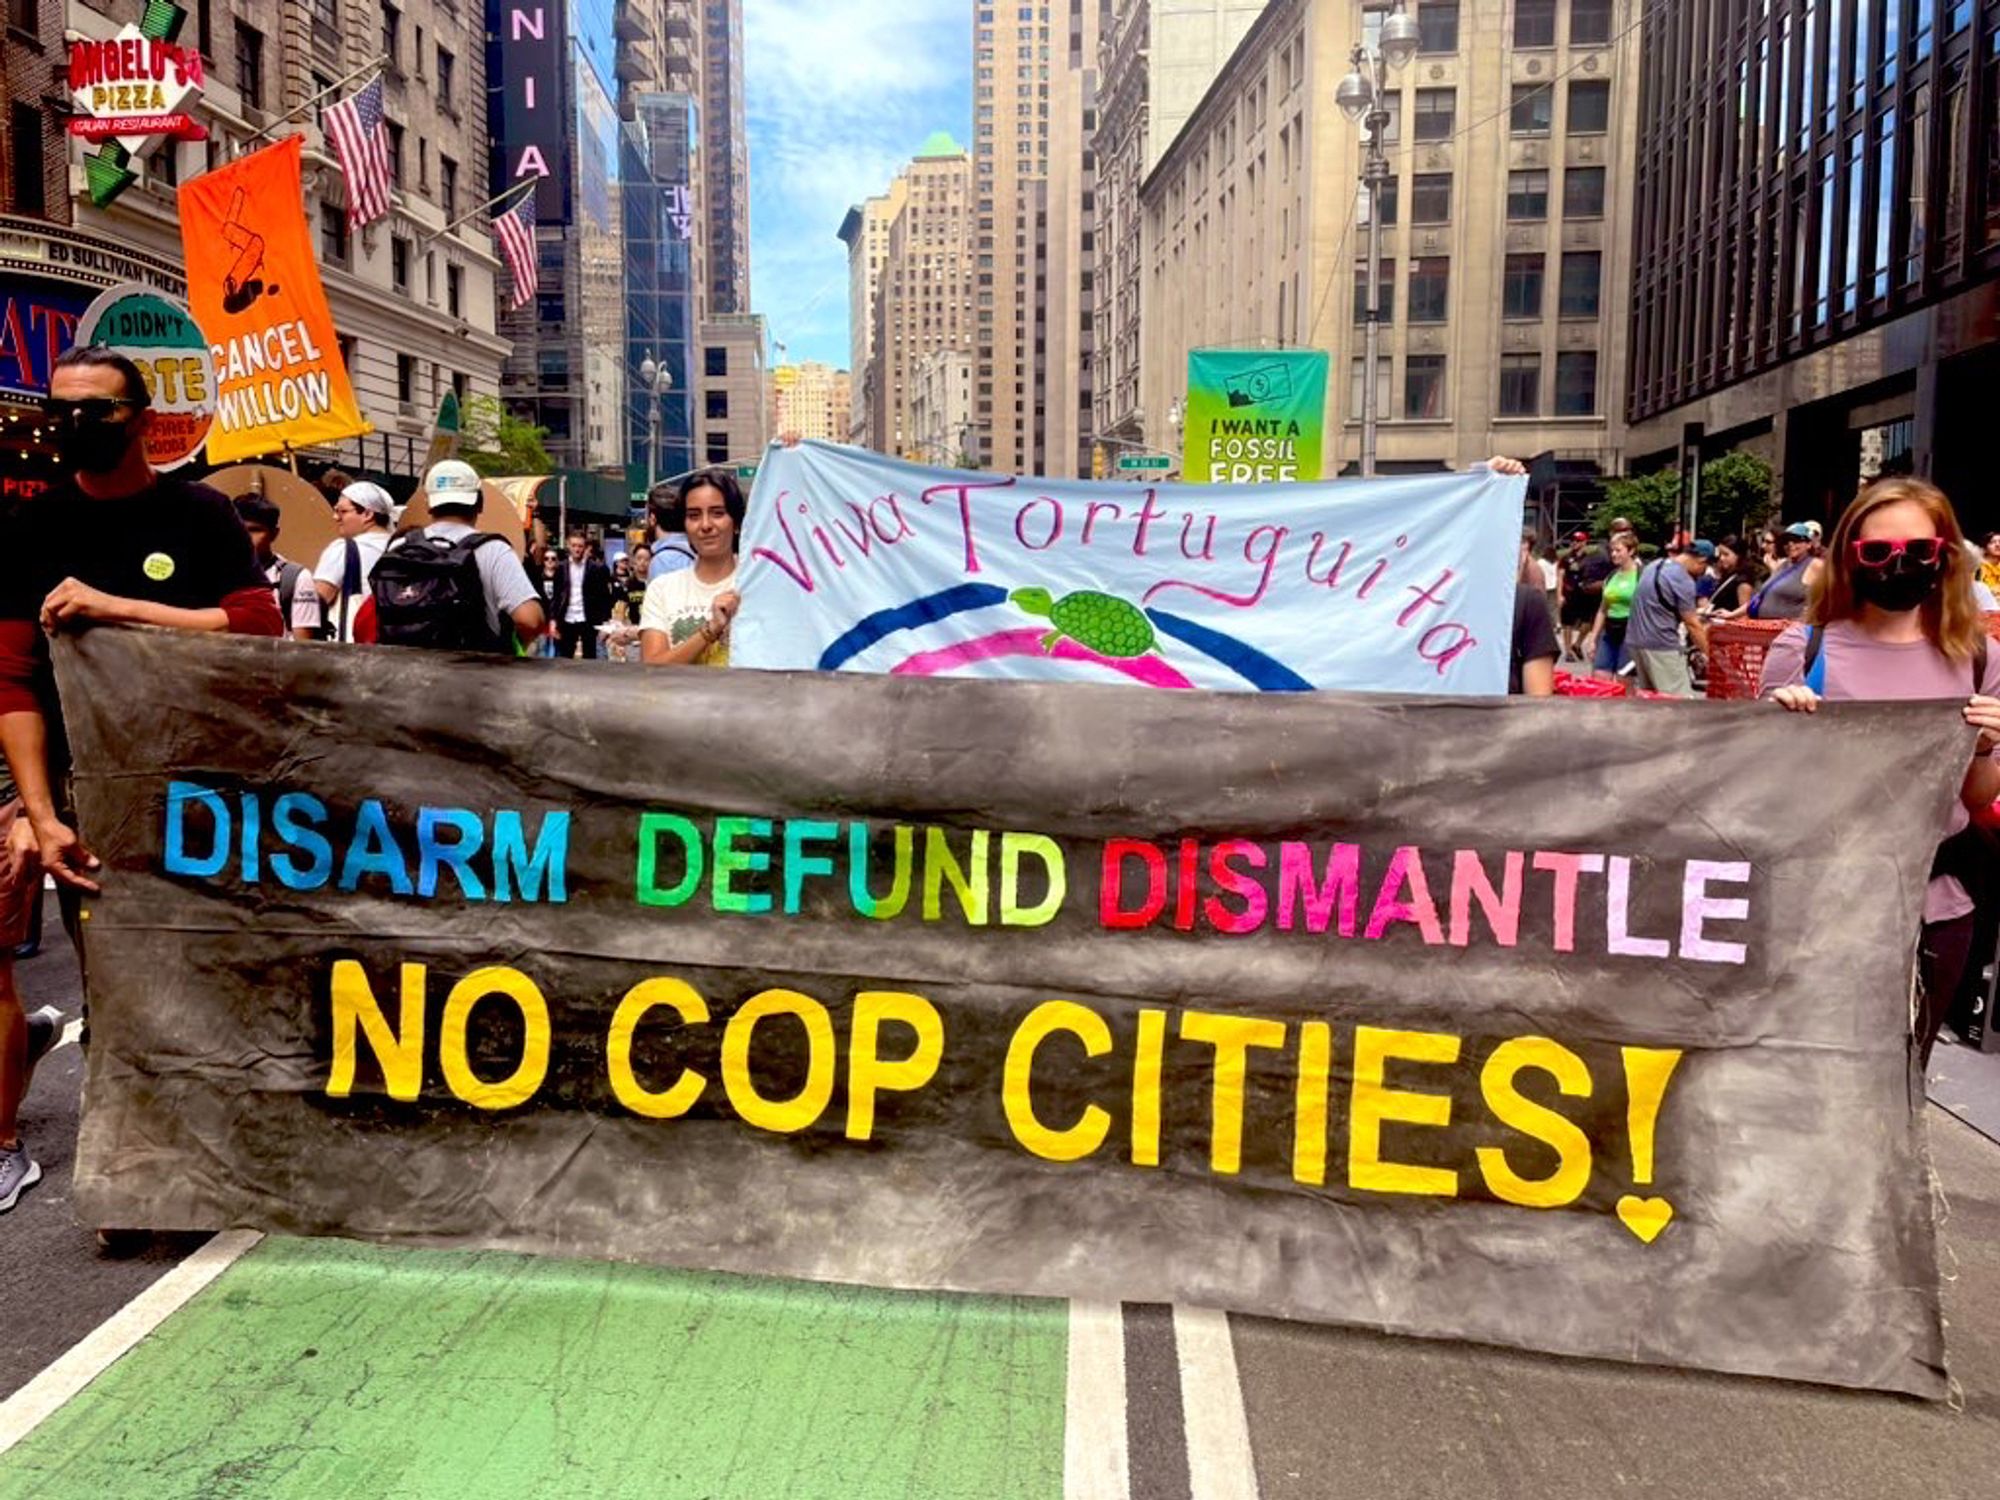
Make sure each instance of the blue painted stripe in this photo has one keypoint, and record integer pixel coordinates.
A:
(924, 611)
(1265, 673)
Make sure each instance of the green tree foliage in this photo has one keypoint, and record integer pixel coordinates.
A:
(496, 442)
(1735, 497)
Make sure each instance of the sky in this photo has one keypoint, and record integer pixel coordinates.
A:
(839, 94)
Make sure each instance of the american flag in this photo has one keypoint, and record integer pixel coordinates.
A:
(515, 230)
(361, 141)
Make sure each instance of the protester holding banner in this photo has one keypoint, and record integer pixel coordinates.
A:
(362, 515)
(1893, 617)
(1605, 644)
(687, 613)
(116, 542)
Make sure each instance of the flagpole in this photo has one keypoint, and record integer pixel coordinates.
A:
(293, 113)
(464, 218)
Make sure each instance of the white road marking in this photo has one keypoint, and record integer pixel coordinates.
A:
(25, 1410)
(1095, 1464)
(1218, 1433)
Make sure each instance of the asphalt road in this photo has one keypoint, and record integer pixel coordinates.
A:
(1330, 1412)
(54, 1286)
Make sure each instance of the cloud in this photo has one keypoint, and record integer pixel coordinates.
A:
(839, 95)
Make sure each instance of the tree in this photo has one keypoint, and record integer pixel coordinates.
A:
(496, 442)
(1735, 497)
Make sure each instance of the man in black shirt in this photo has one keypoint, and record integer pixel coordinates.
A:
(112, 542)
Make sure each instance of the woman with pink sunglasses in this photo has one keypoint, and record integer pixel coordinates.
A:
(1892, 616)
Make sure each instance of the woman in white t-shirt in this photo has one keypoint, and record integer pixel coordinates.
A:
(685, 618)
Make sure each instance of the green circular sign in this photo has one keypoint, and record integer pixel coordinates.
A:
(156, 333)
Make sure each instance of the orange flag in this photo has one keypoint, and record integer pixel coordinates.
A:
(254, 287)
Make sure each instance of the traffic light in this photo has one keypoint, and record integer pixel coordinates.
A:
(1097, 460)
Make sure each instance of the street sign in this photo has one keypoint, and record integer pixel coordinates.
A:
(746, 471)
(1130, 461)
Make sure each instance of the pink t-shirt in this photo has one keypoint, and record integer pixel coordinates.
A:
(1860, 668)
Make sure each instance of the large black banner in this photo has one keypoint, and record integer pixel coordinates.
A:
(1579, 1027)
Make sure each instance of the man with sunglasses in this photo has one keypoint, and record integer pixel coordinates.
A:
(113, 542)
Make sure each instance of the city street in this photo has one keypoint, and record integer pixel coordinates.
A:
(313, 1368)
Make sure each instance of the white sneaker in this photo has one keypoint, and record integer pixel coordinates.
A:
(18, 1173)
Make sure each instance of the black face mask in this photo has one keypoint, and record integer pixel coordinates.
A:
(93, 447)
(1900, 587)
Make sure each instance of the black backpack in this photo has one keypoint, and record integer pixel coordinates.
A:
(428, 593)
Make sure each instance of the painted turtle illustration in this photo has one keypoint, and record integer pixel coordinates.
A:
(1104, 624)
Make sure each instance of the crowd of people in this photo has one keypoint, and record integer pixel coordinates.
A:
(1890, 609)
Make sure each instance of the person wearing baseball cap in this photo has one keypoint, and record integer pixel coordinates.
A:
(1666, 600)
(1783, 596)
(426, 581)
(362, 515)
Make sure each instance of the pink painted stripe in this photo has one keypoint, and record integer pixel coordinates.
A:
(1149, 670)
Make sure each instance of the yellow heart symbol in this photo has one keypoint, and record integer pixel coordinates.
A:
(1645, 1217)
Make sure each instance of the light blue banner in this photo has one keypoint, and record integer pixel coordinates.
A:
(853, 561)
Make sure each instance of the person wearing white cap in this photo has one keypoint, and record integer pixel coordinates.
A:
(362, 514)
(451, 586)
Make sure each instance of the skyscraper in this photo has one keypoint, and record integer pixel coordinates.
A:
(663, 285)
(1034, 111)
(865, 232)
(726, 156)
(811, 400)
(924, 301)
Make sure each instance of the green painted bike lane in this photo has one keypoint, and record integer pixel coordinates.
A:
(318, 1368)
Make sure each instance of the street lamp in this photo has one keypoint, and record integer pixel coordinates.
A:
(656, 380)
(1363, 97)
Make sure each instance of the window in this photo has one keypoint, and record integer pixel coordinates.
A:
(1589, 22)
(1436, 114)
(399, 263)
(1528, 195)
(454, 290)
(1430, 198)
(714, 360)
(406, 378)
(392, 37)
(461, 385)
(1583, 192)
(1579, 284)
(333, 234)
(717, 406)
(1521, 287)
(1391, 200)
(718, 447)
(448, 186)
(1430, 280)
(1529, 109)
(1520, 385)
(1387, 269)
(395, 151)
(30, 191)
(1534, 23)
(1423, 386)
(1354, 392)
(1589, 106)
(1576, 383)
(1437, 25)
(250, 65)
(25, 16)
(447, 65)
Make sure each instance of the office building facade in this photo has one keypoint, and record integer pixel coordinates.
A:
(735, 414)
(663, 284)
(924, 300)
(725, 202)
(1034, 114)
(865, 232)
(1506, 228)
(810, 399)
(1817, 241)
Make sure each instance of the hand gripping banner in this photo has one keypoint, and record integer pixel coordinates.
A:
(1473, 1019)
